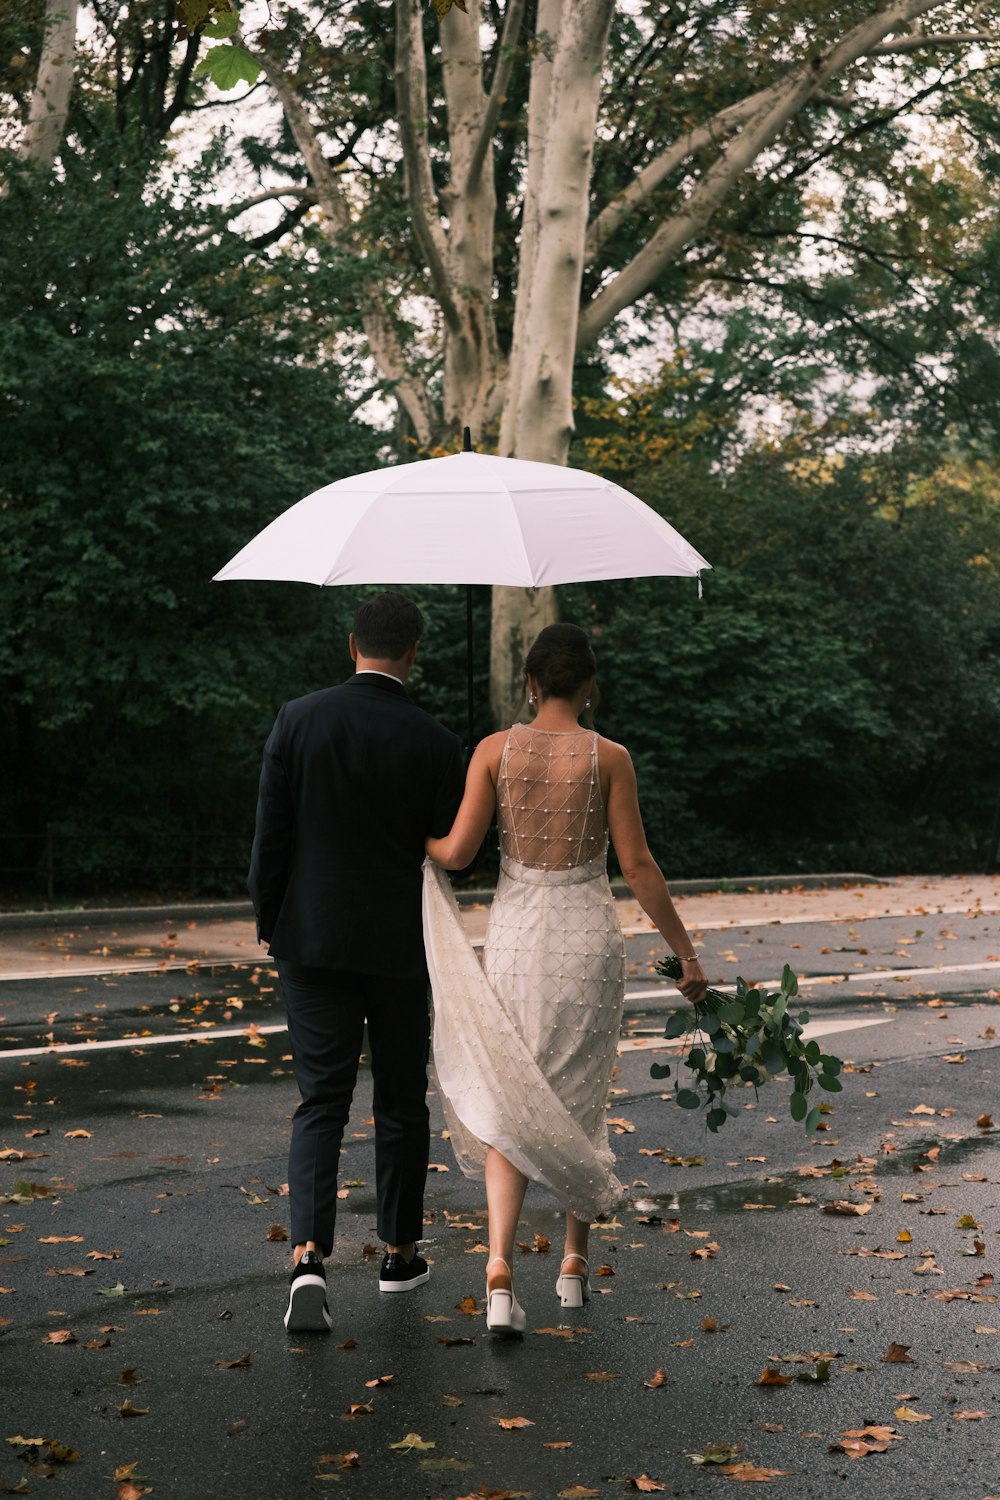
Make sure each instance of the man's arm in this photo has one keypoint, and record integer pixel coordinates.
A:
(273, 837)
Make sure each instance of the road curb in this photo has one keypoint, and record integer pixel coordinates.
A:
(213, 911)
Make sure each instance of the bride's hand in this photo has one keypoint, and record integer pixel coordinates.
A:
(693, 983)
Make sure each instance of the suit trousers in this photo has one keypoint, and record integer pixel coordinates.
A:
(327, 1011)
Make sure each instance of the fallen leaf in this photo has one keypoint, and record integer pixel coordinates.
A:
(772, 1376)
(658, 1378)
(644, 1483)
(512, 1424)
(243, 1363)
(578, 1492)
(128, 1410)
(907, 1414)
(277, 1232)
(76, 1135)
(343, 1460)
(356, 1410)
(897, 1354)
(841, 1206)
(753, 1474)
(60, 1336)
(412, 1442)
(600, 1375)
(379, 1380)
(469, 1306)
(970, 1416)
(715, 1453)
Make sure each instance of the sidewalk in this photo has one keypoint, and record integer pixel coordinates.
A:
(155, 937)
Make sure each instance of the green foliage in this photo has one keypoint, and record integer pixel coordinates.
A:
(162, 397)
(230, 65)
(747, 1038)
(831, 701)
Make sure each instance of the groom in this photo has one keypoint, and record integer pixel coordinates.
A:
(354, 779)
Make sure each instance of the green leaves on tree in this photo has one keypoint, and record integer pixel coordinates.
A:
(229, 66)
(745, 1038)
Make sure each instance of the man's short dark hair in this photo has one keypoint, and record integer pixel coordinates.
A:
(386, 626)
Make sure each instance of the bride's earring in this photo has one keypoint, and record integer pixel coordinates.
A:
(587, 704)
(531, 700)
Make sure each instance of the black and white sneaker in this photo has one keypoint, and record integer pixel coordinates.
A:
(307, 1310)
(399, 1275)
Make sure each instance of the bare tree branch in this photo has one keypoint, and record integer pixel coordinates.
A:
(924, 40)
(776, 108)
(289, 190)
(288, 221)
(340, 229)
(513, 21)
(613, 215)
(411, 108)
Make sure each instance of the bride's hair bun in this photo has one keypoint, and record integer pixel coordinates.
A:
(561, 660)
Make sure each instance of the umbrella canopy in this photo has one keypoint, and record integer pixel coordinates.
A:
(469, 518)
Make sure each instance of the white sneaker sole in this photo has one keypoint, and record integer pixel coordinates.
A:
(404, 1286)
(307, 1311)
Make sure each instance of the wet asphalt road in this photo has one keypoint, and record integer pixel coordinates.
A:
(140, 1184)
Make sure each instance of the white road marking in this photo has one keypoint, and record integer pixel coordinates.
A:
(800, 919)
(95, 971)
(865, 978)
(62, 1049)
(644, 1041)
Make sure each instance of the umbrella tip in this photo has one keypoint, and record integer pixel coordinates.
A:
(467, 440)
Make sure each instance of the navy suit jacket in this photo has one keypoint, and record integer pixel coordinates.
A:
(354, 779)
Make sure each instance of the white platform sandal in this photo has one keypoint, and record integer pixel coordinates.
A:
(504, 1314)
(573, 1291)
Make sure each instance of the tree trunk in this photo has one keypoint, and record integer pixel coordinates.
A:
(50, 100)
(537, 420)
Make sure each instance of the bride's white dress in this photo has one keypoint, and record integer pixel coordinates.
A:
(524, 1045)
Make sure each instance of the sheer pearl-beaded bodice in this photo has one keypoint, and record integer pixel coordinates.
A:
(550, 809)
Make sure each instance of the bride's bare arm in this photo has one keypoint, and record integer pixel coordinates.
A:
(643, 874)
(459, 847)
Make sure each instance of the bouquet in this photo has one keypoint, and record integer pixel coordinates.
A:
(748, 1037)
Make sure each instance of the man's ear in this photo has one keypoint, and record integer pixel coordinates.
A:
(411, 655)
(352, 646)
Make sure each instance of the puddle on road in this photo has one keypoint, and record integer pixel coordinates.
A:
(725, 1197)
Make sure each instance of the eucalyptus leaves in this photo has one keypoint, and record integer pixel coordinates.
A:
(748, 1037)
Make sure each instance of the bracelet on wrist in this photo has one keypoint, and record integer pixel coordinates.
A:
(692, 958)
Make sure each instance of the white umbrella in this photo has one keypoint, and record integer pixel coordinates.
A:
(469, 518)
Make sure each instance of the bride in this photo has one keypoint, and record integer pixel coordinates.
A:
(524, 1046)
